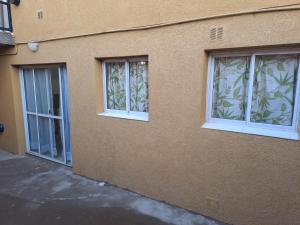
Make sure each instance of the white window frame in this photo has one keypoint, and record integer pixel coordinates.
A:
(124, 114)
(248, 127)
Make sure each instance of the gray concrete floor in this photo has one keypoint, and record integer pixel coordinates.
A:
(34, 191)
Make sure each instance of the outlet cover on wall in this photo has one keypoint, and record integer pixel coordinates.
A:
(40, 14)
(212, 204)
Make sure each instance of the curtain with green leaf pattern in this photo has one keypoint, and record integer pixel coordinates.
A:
(138, 86)
(231, 75)
(274, 89)
(115, 85)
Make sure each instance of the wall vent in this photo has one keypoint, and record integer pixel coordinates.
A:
(220, 33)
(213, 34)
(216, 33)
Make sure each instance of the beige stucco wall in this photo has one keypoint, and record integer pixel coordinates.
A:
(8, 138)
(66, 18)
(254, 178)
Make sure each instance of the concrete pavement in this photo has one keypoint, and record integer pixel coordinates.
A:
(34, 191)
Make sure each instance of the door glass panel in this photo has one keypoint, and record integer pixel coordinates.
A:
(29, 90)
(41, 91)
(33, 133)
(54, 91)
(57, 140)
(44, 134)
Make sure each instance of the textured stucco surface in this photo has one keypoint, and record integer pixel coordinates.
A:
(8, 139)
(255, 178)
(64, 18)
(6, 39)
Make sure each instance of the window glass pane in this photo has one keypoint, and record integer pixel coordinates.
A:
(54, 90)
(1, 16)
(231, 75)
(138, 86)
(274, 89)
(4, 16)
(115, 86)
(41, 91)
(29, 90)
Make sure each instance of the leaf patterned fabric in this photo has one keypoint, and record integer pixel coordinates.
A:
(138, 86)
(274, 89)
(115, 85)
(231, 75)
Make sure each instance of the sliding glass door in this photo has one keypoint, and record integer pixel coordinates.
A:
(45, 104)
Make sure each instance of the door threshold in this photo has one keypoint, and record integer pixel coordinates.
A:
(48, 158)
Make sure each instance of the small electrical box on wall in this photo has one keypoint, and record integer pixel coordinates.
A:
(40, 14)
(1, 128)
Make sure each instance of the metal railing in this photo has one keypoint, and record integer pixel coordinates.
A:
(5, 16)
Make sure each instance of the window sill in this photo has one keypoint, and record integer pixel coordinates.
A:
(128, 116)
(247, 129)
